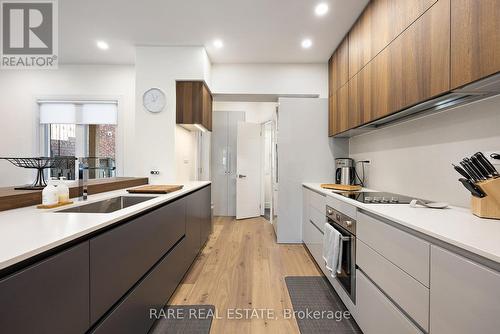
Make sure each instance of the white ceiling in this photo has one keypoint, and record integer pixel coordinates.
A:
(253, 31)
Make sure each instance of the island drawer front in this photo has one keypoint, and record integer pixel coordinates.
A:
(132, 314)
(376, 313)
(406, 251)
(404, 290)
(51, 296)
(317, 201)
(121, 256)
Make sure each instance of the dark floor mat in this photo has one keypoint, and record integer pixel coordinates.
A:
(184, 319)
(314, 293)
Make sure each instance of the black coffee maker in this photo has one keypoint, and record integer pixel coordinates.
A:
(344, 171)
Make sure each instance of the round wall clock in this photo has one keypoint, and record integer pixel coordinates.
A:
(154, 100)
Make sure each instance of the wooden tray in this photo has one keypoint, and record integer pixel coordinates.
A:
(41, 206)
(343, 187)
(155, 189)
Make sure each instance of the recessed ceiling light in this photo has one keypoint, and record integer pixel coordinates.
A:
(306, 43)
(218, 43)
(102, 45)
(321, 9)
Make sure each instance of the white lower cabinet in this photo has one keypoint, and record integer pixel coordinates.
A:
(404, 290)
(465, 296)
(315, 243)
(313, 222)
(376, 313)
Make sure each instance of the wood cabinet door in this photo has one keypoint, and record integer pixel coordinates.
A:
(339, 111)
(333, 114)
(207, 108)
(360, 98)
(413, 68)
(343, 108)
(193, 103)
(338, 65)
(380, 23)
(464, 295)
(475, 40)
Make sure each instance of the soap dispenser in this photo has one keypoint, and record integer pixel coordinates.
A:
(49, 194)
(62, 191)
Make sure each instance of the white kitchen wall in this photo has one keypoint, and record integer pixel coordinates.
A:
(185, 154)
(155, 134)
(270, 79)
(19, 128)
(255, 112)
(415, 158)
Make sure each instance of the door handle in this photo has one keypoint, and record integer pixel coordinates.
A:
(240, 176)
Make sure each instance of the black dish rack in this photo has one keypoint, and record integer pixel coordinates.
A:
(39, 163)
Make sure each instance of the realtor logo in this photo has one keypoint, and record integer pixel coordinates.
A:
(29, 34)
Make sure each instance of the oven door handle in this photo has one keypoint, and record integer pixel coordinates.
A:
(342, 239)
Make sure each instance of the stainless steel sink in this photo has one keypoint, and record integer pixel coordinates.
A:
(109, 205)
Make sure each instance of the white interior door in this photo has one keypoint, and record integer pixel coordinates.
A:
(248, 166)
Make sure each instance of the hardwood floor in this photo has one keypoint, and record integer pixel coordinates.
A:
(241, 268)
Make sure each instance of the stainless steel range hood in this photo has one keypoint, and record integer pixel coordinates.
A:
(475, 91)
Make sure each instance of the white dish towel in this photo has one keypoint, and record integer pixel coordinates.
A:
(332, 250)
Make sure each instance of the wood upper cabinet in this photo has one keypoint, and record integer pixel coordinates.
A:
(338, 76)
(339, 66)
(413, 68)
(475, 40)
(380, 23)
(339, 111)
(360, 98)
(194, 104)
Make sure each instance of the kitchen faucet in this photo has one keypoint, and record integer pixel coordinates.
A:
(83, 178)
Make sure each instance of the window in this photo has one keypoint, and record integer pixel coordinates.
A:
(85, 130)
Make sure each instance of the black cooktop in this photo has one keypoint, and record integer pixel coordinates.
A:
(377, 197)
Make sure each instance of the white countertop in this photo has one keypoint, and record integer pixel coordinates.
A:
(454, 225)
(29, 231)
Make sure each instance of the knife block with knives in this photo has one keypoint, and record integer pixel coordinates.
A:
(483, 181)
(488, 206)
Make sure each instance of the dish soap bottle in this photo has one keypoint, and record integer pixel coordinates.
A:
(49, 194)
(62, 191)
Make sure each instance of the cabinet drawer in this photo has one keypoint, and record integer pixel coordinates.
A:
(318, 218)
(317, 201)
(376, 313)
(132, 314)
(49, 297)
(403, 289)
(120, 257)
(409, 253)
(314, 243)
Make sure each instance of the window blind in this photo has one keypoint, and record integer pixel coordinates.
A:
(78, 112)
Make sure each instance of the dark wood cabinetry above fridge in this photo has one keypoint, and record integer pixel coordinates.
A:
(194, 105)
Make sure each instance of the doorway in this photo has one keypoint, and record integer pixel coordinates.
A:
(267, 171)
(228, 162)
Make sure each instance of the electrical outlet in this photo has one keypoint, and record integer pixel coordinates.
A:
(490, 159)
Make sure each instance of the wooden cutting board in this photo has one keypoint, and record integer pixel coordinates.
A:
(344, 187)
(155, 189)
